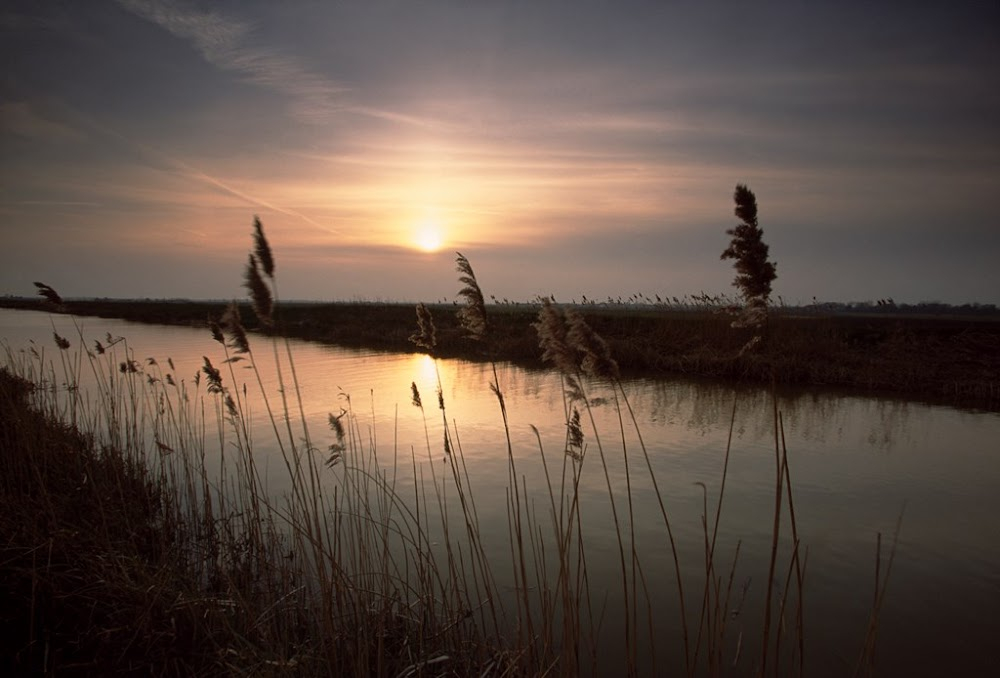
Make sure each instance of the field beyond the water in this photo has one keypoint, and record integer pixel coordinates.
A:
(949, 359)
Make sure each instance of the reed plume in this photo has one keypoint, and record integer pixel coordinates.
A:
(213, 376)
(569, 343)
(473, 315)
(754, 272)
(336, 450)
(231, 323)
(574, 436)
(61, 342)
(50, 295)
(262, 249)
(260, 293)
(426, 334)
(597, 361)
(216, 331)
(552, 338)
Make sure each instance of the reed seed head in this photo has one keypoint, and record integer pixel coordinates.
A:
(262, 249)
(336, 454)
(417, 402)
(755, 272)
(473, 315)
(597, 361)
(336, 425)
(61, 342)
(213, 376)
(231, 407)
(552, 331)
(574, 391)
(574, 436)
(260, 293)
(230, 320)
(49, 294)
(336, 450)
(426, 334)
(216, 331)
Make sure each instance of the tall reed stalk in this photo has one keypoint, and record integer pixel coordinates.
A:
(352, 571)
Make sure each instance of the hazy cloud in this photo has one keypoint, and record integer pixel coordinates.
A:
(232, 45)
(584, 147)
(21, 119)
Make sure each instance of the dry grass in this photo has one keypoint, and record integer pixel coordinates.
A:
(133, 543)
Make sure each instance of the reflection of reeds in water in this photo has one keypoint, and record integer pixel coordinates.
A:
(362, 571)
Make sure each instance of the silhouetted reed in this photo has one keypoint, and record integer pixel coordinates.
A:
(347, 576)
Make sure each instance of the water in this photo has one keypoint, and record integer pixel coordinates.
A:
(857, 464)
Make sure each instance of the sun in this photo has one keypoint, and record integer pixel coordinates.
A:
(428, 236)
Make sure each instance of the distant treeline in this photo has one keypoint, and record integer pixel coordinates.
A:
(929, 350)
(889, 306)
(698, 302)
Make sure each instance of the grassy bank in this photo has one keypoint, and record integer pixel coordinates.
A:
(946, 359)
(92, 583)
(125, 552)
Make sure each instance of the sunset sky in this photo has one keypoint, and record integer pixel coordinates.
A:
(566, 148)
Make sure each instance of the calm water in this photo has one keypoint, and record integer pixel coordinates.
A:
(855, 463)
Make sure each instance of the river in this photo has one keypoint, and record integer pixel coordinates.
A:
(858, 466)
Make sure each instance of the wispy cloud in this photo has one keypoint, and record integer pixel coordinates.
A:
(57, 203)
(21, 119)
(229, 44)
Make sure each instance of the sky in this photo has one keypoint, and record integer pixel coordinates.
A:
(566, 148)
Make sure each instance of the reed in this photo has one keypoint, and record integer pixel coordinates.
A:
(146, 503)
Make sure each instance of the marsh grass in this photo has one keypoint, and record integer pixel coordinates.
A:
(948, 359)
(142, 535)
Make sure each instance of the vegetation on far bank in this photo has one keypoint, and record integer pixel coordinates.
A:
(947, 358)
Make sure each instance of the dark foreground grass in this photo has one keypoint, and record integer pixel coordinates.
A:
(131, 560)
(89, 584)
(115, 563)
(947, 359)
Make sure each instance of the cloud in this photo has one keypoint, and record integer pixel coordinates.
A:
(57, 203)
(228, 44)
(20, 118)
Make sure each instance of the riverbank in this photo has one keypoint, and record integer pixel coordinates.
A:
(947, 359)
(131, 560)
(91, 581)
